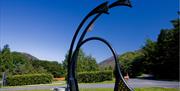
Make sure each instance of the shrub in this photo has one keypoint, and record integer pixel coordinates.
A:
(29, 79)
(96, 76)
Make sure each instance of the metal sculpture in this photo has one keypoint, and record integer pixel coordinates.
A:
(72, 84)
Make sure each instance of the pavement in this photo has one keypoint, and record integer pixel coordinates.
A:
(134, 83)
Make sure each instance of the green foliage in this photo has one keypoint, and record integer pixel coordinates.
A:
(160, 58)
(163, 56)
(84, 62)
(52, 67)
(138, 67)
(29, 79)
(129, 63)
(107, 68)
(6, 62)
(21, 63)
(149, 50)
(168, 54)
(17, 63)
(94, 76)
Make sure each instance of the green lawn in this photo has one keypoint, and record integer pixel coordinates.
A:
(98, 89)
(110, 89)
(104, 82)
(136, 89)
(55, 83)
(59, 83)
(36, 90)
(157, 89)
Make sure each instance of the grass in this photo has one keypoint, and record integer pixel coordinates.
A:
(36, 90)
(156, 89)
(57, 83)
(136, 89)
(104, 82)
(110, 89)
(97, 89)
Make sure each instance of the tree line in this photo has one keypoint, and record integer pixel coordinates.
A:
(159, 58)
(17, 63)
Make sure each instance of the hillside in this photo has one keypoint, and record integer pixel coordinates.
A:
(29, 56)
(107, 63)
(26, 55)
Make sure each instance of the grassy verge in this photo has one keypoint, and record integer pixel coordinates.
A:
(36, 90)
(97, 89)
(104, 82)
(156, 89)
(57, 83)
(136, 89)
(111, 89)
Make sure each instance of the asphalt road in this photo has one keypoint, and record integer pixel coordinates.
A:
(134, 83)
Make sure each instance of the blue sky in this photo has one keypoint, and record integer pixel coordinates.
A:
(44, 28)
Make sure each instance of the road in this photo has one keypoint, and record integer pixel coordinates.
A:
(134, 83)
(137, 83)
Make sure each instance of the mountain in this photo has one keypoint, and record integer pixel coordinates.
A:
(26, 55)
(107, 63)
(29, 56)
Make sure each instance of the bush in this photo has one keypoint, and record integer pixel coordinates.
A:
(96, 76)
(0, 85)
(29, 79)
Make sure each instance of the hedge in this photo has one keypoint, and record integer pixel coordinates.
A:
(29, 79)
(97, 76)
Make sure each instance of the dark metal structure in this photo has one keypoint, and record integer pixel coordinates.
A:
(72, 84)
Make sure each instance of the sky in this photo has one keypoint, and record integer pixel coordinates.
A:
(44, 28)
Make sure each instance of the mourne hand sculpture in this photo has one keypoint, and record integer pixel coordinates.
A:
(72, 83)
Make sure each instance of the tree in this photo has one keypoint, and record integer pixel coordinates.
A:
(149, 50)
(87, 63)
(52, 67)
(84, 62)
(167, 65)
(21, 64)
(17, 63)
(128, 61)
(162, 57)
(6, 62)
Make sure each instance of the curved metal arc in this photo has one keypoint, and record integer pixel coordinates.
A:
(117, 3)
(102, 8)
(121, 3)
(72, 45)
(117, 66)
(75, 55)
